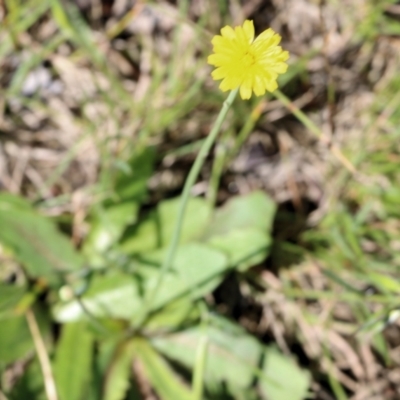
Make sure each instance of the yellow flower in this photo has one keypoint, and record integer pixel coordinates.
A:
(241, 61)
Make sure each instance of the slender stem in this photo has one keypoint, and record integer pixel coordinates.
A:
(248, 127)
(298, 113)
(314, 129)
(219, 162)
(44, 361)
(224, 154)
(190, 181)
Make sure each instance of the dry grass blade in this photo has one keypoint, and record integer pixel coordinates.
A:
(44, 360)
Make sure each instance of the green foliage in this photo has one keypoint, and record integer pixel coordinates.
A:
(107, 303)
(10, 296)
(155, 231)
(15, 339)
(31, 385)
(101, 306)
(112, 216)
(73, 359)
(282, 378)
(233, 362)
(238, 230)
(377, 22)
(42, 250)
(118, 371)
(160, 373)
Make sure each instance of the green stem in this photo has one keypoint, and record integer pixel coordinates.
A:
(220, 154)
(190, 181)
(225, 153)
(335, 150)
(248, 127)
(298, 113)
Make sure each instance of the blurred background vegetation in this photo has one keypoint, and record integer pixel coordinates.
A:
(286, 282)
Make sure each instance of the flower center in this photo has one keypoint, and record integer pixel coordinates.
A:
(248, 59)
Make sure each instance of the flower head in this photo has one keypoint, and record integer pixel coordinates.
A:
(241, 61)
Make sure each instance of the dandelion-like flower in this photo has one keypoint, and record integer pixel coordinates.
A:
(241, 61)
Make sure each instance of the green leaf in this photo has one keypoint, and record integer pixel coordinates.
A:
(107, 227)
(233, 355)
(177, 313)
(160, 374)
(71, 23)
(156, 230)
(109, 220)
(72, 366)
(245, 248)
(197, 269)
(283, 378)
(30, 385)
(385, 283)
(35, 241)
(15, 339)
(10, 295)
(131, 181)
(118, 372)
(16, 202)
(255, 210)
(104, 356)
(241, 229)
(114, 295)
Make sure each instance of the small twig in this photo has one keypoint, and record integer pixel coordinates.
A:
(49, 383)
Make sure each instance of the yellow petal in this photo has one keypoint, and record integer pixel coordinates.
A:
(259, 86)
(217, 59)
(248, 28)
(266, 36)
(218, 74)
(245, 88)
(271, 86)
(280, 68)
(225, 86)
(228, 32)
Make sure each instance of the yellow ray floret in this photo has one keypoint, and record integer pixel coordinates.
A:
(241, 61)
